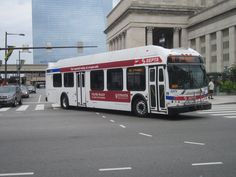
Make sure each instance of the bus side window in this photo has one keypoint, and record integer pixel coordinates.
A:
(57, 80)
(115, 79)
(68, 79)
(136, 79)
(161, 75)
(97, 80)
(79, 80)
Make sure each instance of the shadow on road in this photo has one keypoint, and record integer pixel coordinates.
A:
(150, 116)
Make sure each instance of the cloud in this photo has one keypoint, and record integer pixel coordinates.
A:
(16, 17)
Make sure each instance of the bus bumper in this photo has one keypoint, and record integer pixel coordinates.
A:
(189, 108)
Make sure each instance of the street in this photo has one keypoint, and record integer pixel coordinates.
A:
(43, 140)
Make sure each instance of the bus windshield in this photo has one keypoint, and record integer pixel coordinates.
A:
(187, 76)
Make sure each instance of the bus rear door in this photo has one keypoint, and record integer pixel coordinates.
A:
(157, 89)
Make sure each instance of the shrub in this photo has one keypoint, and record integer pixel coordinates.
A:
(227, 86)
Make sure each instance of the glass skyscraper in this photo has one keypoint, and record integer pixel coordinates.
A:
(67, 23)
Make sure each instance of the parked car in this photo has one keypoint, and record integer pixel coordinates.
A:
(31, 88)
(10, 95)
(24, 91)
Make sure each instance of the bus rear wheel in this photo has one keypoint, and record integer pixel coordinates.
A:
(64, 102)
(140, 108)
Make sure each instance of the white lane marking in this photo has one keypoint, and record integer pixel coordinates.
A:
(17, 174)
(194, 143)
(122, 126)
(97, 113)
(115, 169)
(29, 102)
(230, 117)
(208, 163)
(104, 117)
(223, 106)
(4, 109)
(144, 134)
(56, 106)
(112, 121)
(39, 107)
(39, 98)
(215, 112)
(224, 114)
(22, 108)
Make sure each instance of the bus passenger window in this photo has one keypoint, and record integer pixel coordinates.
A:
(69, 80)
(161, 75)
(57, 80)
(115, 79)
(136, 80)
(97, 80)
(152, 75)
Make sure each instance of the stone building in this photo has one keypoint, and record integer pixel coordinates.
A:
(205, 25)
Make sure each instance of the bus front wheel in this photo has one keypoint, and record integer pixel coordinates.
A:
(140, 108)
(64, 102)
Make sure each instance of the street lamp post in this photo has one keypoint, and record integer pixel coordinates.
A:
(20, 63)
(6, 34)
(18, 69)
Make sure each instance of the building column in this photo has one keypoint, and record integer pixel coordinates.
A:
(184, 38)
(208, 52)
(219, 51)
(189, 43)
(198, 47)
(109, 45)
(176, 37)
(232, 45)
(115, 44)
(150, 35)
(123, 41)
(119, 42)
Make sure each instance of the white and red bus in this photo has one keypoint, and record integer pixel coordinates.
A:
(143, 80)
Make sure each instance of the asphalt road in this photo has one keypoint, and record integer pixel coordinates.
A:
(50, 142)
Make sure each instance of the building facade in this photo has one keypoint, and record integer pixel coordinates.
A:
(68, 23)
(205, 25)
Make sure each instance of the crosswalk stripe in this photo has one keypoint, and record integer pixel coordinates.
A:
(219, 109)
(227, 111)
(4, 109)
(222, 114)
(231, 117)
(22, 108)
(56, 106)
(39, 107)
(216, 112)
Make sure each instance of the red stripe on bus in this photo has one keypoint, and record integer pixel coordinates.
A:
(182, 98)
(114, 96)
(124, 63)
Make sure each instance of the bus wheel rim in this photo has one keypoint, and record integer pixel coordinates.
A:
(64, 102)
(141, 108)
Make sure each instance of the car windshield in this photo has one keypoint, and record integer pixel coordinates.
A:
(7, 89)
(187, 76)
(23, 88)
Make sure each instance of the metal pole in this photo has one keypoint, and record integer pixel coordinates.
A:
(5, 59)
(18, 69)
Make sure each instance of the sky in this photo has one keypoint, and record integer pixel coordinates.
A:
(16, 17)
(115, 2)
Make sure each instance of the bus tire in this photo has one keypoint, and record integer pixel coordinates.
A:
(64, 101)
(140, 108)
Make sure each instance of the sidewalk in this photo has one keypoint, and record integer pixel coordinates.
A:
(227, 99)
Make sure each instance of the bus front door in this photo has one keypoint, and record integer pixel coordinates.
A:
(81, 101)
(157, 89)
